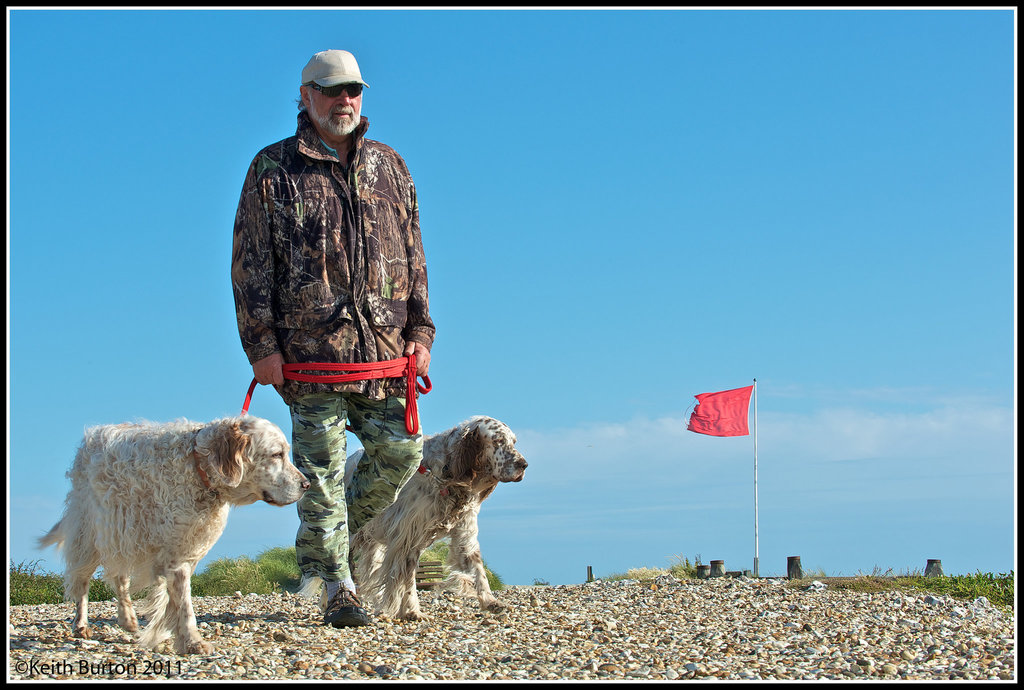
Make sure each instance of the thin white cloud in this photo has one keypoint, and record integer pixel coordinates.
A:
(855, 453)
(961, 435)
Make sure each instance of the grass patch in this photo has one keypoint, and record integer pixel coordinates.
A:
(998, 589)
(639, 574)
(226, 576)
(30, 585)
(868, 584)
(681, 568)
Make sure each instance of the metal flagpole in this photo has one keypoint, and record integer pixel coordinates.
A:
(755, 478)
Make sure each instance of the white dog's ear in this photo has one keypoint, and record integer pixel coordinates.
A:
(225, 447)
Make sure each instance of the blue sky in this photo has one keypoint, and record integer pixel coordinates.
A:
(620, 210)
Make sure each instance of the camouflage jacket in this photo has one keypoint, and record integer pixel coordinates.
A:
(327, 265)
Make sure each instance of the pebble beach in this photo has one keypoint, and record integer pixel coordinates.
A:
(663, 629)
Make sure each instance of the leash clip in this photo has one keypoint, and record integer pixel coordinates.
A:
(426, 471)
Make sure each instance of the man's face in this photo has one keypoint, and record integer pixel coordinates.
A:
(336, 116)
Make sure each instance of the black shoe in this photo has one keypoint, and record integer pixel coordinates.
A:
(344, 610)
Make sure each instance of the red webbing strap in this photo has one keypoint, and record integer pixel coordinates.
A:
(392, 368)
(248, 397)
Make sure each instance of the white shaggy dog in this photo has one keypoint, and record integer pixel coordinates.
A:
(148, 500)
(461, 467)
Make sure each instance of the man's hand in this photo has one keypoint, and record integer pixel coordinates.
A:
(269, 370)
(422, 356)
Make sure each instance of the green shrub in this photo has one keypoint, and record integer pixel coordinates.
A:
(224, 577)
(493, 579)
(438, 551)
(644, 573)
(998, 589)
(280, 565)
(638, 574)
(30, 586)
(682, 568)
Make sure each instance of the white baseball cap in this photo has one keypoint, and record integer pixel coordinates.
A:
(332, 67)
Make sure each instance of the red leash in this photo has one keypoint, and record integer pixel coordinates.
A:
(388, 369)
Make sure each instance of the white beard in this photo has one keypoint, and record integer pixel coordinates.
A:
(336, 127)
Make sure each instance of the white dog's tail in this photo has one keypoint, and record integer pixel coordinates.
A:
(155, 608)
(54, 536)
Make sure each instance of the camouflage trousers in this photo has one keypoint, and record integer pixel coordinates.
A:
(328, 512)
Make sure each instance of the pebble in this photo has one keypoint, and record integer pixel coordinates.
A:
(721, 628)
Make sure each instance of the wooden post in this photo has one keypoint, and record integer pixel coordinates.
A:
(703, 572)
(717, 569)
(590, 573)
(793, 569)
(934, 568)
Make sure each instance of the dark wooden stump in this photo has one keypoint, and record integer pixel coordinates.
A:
(703, 572)
(793, 569)
(717, 569)
(934, 568)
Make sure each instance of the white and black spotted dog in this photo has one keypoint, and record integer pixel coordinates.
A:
(461, 467)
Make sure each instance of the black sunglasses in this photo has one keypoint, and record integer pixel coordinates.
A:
(353, 90)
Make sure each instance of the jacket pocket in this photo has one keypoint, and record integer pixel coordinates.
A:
(388, 312)
(312, 316)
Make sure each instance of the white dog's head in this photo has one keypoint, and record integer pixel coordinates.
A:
(247, 458)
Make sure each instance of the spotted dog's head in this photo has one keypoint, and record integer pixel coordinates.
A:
(248, 458)
(486, 455)
(509, 463)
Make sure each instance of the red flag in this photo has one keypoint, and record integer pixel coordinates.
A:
(722, 414)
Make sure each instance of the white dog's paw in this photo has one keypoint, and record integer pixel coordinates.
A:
(493, 605)
(414, 615)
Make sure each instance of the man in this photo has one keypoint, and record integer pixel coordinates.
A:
(328, 266)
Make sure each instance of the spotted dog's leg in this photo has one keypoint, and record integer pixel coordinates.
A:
(465, 559)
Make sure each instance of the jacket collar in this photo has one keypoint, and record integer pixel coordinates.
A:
(310, 145)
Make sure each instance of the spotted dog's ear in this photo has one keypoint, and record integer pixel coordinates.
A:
(225, 448)
(463, 464)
